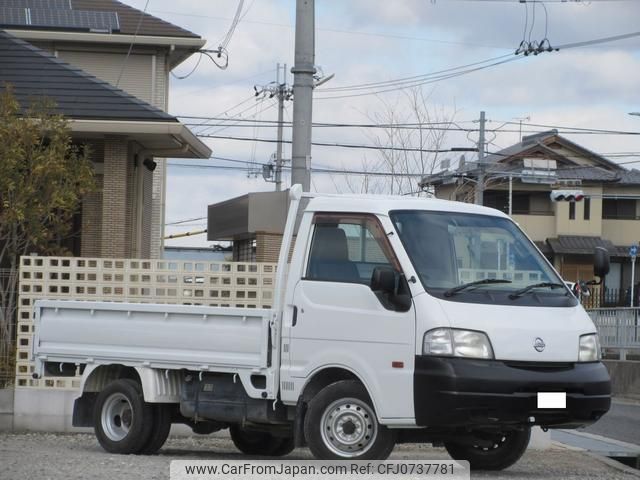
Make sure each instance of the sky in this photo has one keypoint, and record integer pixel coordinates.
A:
(368, 41)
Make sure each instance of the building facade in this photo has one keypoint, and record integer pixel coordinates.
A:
(133, 53)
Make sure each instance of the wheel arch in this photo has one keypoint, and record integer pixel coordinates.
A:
(158, 386)
(327, 375)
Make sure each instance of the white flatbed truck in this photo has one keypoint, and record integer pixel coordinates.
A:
(396, 320)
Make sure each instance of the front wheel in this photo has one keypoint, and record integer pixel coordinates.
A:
(341, 424)
(505, 449)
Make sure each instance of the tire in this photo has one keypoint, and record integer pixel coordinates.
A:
(160, 429)
(507, 450)
(341, 424)
(285, 448)
(122, 420)
(251, 442)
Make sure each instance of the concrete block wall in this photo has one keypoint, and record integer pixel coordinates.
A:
(625, 377)
(6, 409)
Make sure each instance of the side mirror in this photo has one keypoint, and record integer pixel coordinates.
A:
(575, 289)
(600, 262)
(402, 302)
(383, 280)
(580, 289)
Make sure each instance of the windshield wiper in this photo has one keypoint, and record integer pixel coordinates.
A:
(452, 291)
(528, 288)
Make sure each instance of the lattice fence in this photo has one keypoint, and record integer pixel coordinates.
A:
(216, 284)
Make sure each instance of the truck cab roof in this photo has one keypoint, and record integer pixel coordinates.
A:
(383, 204)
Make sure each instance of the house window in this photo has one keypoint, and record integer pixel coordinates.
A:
(522, 203)
(587, 208)
(619, 209)
(572, 211)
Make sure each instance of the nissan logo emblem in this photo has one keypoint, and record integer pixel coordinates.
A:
(538, 344)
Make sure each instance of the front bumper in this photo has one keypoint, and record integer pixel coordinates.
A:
(460, 392)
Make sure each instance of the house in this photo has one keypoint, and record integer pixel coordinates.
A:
(108, 68)
(566, 232)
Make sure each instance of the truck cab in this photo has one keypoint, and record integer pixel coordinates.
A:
(396, 320)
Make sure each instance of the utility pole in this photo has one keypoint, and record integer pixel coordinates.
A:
(481, 164)
(282, 88)
(303, 83)
(283, 92)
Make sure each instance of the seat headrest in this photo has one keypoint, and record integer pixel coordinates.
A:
(330, 243)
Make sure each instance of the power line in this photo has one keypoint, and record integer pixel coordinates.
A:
(236, 19)
(404, 86)
(313, 169)
(188, 220)
(451, 126)
(408, 79)
(345, 31)
(251, 97)
(342, 145)
(407, 82)
(250, 117)
(135, 36)
(573, 129)
(597, 41)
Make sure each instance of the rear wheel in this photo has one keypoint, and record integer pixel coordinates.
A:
(498, 451)
(252, 442)
(160, 429)
(122, 420)
(342, 424)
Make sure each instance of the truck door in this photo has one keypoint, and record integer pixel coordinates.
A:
(340, 321)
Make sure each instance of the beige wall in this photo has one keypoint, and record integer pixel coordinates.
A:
(146, 76)
(580, 226)
(621, 232)
(538, 227)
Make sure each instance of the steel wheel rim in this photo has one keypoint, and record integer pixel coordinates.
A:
(497, 444)
(349, 427)
(116, 417)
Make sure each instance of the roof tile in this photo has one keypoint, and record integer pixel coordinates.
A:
(34, 73)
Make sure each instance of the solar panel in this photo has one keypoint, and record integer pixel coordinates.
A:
(41, 4)
(75, 19)
(13, 16)
(93, 21)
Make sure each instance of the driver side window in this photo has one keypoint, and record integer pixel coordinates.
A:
(347, 248)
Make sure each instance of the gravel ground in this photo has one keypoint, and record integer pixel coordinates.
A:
(78, 456)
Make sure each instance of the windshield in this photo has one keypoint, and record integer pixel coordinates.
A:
(450, 249)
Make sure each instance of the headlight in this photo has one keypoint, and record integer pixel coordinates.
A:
(457, 343)
(589, 348)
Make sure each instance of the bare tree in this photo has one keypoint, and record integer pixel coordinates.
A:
(409, 134)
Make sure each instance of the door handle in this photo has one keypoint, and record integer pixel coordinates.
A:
(294, 320)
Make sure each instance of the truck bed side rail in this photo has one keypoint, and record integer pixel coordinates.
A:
(155, 336)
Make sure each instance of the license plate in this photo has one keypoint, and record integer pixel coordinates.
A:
(552, 400)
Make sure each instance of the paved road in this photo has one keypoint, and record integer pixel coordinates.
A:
(78, 457)
(622, 422)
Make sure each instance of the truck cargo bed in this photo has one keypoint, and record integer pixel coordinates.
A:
(151, 335)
